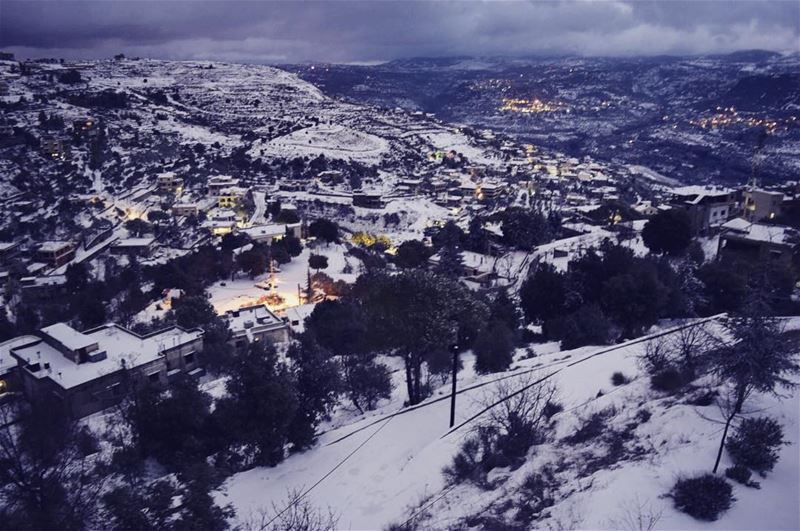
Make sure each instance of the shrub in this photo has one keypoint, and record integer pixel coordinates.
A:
(741, 474)
(703, 497)
(587, 326)
(619, 379)
(704, 399)
(592, 426)
(643, 415)
(538, 493)
(755, 443)
(667, 380)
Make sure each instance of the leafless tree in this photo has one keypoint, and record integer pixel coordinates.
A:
(525, 405)
(636, 515)
(297, 514)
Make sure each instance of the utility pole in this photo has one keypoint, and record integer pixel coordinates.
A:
(453, 377)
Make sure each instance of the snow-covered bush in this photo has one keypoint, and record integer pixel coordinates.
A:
(667, 380)
(619, 379)
(754, 444)
(592, 426)
(537, 492)
(514, 425)
(704, 497)
(741, 474)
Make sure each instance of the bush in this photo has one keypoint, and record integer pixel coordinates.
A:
(538, 491)
(619, 379)
(755, 443)
(741, 474)
(703, 497)
(667, 380)
(592, 426)
(587, 326)
(494, 348)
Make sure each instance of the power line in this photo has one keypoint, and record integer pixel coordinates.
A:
(327, 474)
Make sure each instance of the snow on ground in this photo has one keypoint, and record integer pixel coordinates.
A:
(380, 466)
(229, 295)
(449, 140)
(333, 141)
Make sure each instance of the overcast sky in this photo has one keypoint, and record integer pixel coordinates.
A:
(350, 31)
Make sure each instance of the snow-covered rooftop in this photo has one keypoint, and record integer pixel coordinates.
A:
(119, 344)
(759, 231)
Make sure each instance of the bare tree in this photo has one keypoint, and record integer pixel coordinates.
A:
(526, 406)
(298, 514)
(636, 515)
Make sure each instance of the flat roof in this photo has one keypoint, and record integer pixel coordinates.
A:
(260, 316)
(53, 246)
(134, 242)
(121, 345)
(68, 336)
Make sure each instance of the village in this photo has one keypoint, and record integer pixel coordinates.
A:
(216, 233)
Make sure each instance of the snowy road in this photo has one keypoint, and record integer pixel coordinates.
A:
(259, 198)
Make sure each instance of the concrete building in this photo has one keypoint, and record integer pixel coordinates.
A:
(219, 183)
(55, 253)
(756, 242)
(8, 251)
(88, 371)
(255, 324)
(707, 206)
(55, 148)
(367, 199)
(169, 182)
(133, 246)
(761, 204)
(185, 209)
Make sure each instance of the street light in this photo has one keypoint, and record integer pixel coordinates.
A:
(453, 394)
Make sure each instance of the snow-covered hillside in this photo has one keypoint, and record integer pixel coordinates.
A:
(387, 467)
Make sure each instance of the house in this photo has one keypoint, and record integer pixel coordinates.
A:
(89, 371)
(255, 324)
(8, 251)
(86, 128)
(707, 206)
(756, 242)
(169, 182)
(230, 197)
(489, 191)
(476, 267)
(269, 233)
(367, 199)
(296, 317)
(33, 288)
(55, 148)
(761, 204)
(219, 183)
(646, 209)
(133, 246)
(185, 209)
(55, 253)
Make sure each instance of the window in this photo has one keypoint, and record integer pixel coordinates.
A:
(153, 377)
(188, 358)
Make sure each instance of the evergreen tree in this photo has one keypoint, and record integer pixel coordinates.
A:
(494, 348)
(261, 403)
(318, 386)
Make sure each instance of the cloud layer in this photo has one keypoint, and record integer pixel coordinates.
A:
(350, 31)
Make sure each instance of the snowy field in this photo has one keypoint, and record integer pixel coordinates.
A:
(333, 141)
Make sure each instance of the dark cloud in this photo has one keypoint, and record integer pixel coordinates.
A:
(380, 30)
